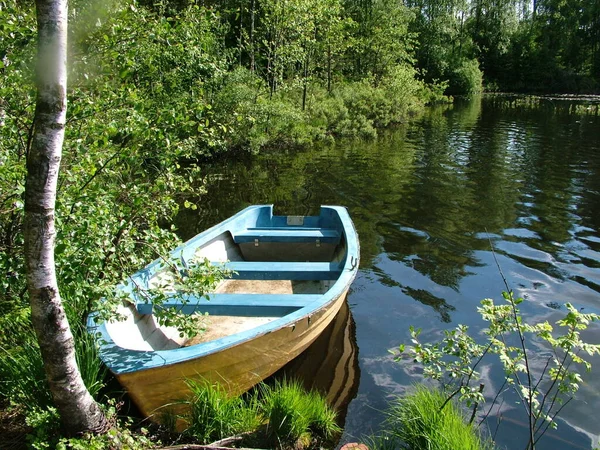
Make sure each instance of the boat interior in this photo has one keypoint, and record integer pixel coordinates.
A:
(275, 271)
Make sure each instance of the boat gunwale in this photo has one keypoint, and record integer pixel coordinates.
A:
(121, 360)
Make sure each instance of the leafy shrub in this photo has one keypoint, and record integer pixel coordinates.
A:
(278, 123)
(359, 108)
(121, 435)
(465, 78)
(234, 101)
(254, 119)
(541, 393)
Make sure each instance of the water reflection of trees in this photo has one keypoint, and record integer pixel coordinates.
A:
(423, 296)
(365, 177)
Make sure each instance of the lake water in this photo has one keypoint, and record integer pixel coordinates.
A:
(429, 200)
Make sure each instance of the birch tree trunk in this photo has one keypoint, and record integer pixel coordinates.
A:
(78, 410)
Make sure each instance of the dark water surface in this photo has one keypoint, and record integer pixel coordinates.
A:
(429, 199)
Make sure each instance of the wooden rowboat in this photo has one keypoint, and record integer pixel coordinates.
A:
(291, 276)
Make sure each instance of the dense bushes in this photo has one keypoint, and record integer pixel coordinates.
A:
(254, 119)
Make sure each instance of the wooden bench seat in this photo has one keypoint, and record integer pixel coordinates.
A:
(249, 305)
(288, 234)
(250, 270)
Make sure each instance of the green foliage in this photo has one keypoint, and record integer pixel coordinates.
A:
(444, 45)
(130, 99)
(383, 39)
(553, 50)
(360, 108)
(352, 109)
(421, 422)
(121, 435)
(566, 351)
(541, 393)
(17, 100)
(45, 425)
(464, 354)
(137, 110)
(546, 45)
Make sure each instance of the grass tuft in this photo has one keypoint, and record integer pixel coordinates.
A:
(284, 414)
(418, 421)
(293, 414)
(92, 369)
(214, 415)
(22, 377)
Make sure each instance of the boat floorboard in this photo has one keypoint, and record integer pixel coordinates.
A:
(221, 326)
(272, 287)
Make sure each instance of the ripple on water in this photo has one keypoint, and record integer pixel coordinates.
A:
(413, 231)
(523, 251)
(591, 257)
(522, 233)
(484, 235)
(594, 239)
(527, 220)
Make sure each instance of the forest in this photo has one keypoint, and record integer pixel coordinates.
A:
(155, 88)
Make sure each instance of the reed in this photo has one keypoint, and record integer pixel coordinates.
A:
(22, 375)
(93, 371)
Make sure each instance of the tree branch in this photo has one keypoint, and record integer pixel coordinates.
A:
(523, 347)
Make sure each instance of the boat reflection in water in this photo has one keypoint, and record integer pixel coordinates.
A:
(330, 364)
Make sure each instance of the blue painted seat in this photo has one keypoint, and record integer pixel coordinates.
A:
(249, 305)
(287, 234)
(260, 270)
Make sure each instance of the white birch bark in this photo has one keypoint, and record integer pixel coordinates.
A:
(78, 410)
